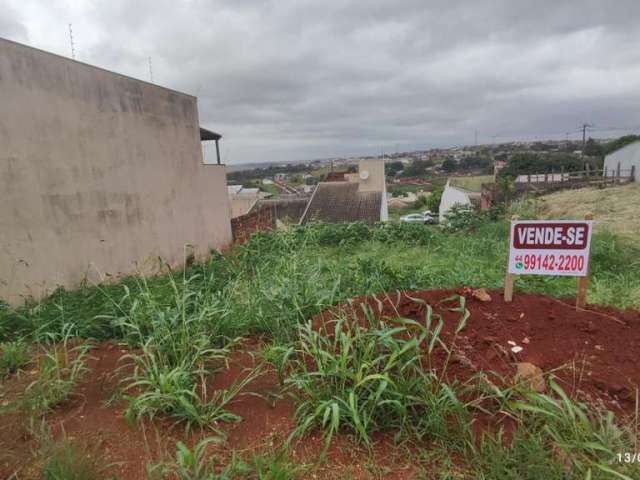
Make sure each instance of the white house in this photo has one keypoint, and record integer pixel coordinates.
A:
(452, 196)
(627, 157)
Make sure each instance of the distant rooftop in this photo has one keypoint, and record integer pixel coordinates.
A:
(339, 202)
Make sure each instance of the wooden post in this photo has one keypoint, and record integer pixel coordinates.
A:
(583, 282)
(509, 278)
(632, 175)
(618, 173)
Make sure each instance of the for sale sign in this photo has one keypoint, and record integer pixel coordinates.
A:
(544, 247)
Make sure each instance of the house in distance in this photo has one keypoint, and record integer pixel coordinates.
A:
(360, 196)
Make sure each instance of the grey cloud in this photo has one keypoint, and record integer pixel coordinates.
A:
(11, 25)
(286, 80)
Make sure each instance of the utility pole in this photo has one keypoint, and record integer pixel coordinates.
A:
(73, 49)
(476, 137)
(584, 133)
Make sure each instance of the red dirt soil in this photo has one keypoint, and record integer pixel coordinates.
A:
(592, 351)
(602, 344)
(94, 420)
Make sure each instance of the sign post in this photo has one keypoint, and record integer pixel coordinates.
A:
(550, 247)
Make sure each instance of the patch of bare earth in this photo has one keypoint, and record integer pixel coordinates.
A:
(593, 352)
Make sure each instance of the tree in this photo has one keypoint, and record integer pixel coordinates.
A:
(417, 168)
(618, 143)
(433, 202)
(392, 168)
(592, 148)
(533, 163)
(476, 162)
(506, 186)
(449, 165)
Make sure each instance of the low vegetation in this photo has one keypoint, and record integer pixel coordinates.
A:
(354, 376)
(472, 183)
(373, 377)
(614, 209)
(15, 354)
(61, 364)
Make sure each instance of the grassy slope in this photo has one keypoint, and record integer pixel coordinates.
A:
(616, 209)
(270, 188)
(471, 183)
(280, 279)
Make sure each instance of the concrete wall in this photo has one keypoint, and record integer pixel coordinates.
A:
(98, 173)
(627, 157)
(241, 204)
(375, 182)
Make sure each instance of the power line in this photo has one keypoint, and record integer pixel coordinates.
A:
(584, 132)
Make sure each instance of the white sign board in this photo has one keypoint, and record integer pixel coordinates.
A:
(550, 247)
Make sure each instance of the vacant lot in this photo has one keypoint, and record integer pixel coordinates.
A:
(615, 209)
(243, 367)
(472, 183)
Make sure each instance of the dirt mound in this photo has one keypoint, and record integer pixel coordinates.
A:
(593, 352)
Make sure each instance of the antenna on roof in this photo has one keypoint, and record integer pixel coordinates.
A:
(150, 71)
(73, 48)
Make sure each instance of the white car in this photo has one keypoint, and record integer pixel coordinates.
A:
(424, 217)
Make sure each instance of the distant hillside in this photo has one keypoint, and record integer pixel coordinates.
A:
(472, 183)
(616, 209)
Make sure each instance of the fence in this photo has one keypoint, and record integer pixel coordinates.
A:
(542, 183)
(582, 178)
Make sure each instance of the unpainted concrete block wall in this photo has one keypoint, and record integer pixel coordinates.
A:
(100, 175)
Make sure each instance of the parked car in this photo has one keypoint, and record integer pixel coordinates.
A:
(424, 217)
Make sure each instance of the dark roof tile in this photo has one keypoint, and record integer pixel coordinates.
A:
(339, 202)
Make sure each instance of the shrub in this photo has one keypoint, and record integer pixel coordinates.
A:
(14, 356)
(584, 437)
(69, 462)
(59, 368)
(373, 377)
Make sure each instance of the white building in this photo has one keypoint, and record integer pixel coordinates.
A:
(627, 157)
(452, 196)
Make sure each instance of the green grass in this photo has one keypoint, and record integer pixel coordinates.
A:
(278, 280)
(197, 464)
(13, 356)
(181, 326)
(473, 183)
(374, 377)
(60, 366)
(66, 460)
(270, 188)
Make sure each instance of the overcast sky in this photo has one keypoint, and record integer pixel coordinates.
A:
(293, 80)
